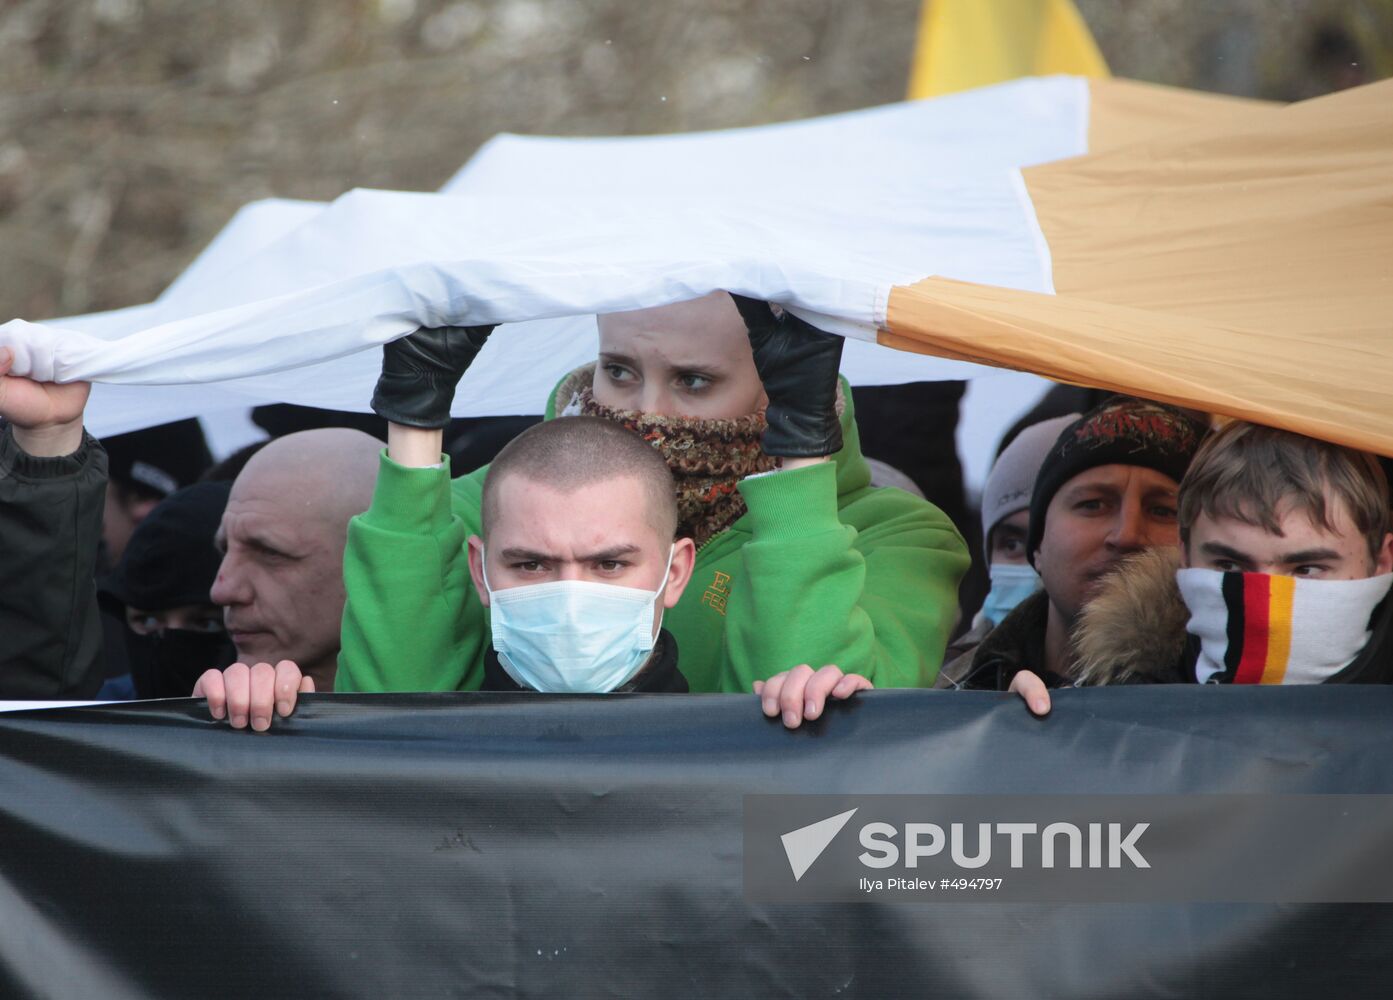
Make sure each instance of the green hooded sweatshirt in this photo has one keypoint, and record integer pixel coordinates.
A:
(821, 569)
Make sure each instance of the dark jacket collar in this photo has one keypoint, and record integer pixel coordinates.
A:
(658, 676)
(1374, 664)
(1017, 644)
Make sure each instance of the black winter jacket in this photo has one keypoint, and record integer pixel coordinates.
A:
(50, 526)
(1017, 644)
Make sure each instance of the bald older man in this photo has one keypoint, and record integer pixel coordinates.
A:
(280, 584)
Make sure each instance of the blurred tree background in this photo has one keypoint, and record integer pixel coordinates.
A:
(132, 130)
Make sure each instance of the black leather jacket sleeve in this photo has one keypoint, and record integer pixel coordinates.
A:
(50, 527)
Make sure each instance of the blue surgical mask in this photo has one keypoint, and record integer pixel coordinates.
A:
(1011, 584)
(573, 636)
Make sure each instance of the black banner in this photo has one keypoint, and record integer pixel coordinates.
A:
(516, 845)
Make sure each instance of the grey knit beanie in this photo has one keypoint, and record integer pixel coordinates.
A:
(1012, 479)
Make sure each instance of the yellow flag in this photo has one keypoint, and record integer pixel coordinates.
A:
(971, 43)
(1237, 265)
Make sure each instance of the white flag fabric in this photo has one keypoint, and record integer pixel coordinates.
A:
(289, 303)
(831, 159)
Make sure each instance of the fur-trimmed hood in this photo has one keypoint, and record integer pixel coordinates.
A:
(1133, 631)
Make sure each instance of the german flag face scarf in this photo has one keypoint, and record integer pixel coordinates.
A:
(1260, 629)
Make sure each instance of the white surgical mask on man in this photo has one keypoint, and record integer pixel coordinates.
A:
(1011, 584)
(1260, 629)
(574, 636)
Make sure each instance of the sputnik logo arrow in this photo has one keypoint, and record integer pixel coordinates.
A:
(806, 844)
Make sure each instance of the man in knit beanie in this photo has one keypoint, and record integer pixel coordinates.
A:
(1005, 524)
(1106, 489)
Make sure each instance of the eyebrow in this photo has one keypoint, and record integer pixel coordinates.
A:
(532, 555)
(1226, 552)
(605, 555)
(1310, 555)
(1085, 489)
(704, 366)
(255, 542)
(1286, 559)
(262, 545)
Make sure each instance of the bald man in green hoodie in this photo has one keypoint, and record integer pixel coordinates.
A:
(799, 559)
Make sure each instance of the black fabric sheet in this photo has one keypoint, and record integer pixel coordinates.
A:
(522, 845)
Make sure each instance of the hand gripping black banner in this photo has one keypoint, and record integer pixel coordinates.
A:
(532, 846)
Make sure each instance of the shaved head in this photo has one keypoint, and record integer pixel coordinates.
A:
(329, 473)
(281, 580)
(572, 452)
(585, 500)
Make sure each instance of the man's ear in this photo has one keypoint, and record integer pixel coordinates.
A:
(680, 572)
(476, 567)
(1384, 563)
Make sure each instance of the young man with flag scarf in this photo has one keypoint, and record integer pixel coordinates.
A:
(1282, 577)
(799, 558)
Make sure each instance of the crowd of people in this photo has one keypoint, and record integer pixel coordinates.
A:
(694, 513)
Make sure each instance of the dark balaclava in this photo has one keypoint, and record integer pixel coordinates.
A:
(171, 562)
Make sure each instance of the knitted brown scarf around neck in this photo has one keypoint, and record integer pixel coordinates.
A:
(708, 458)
